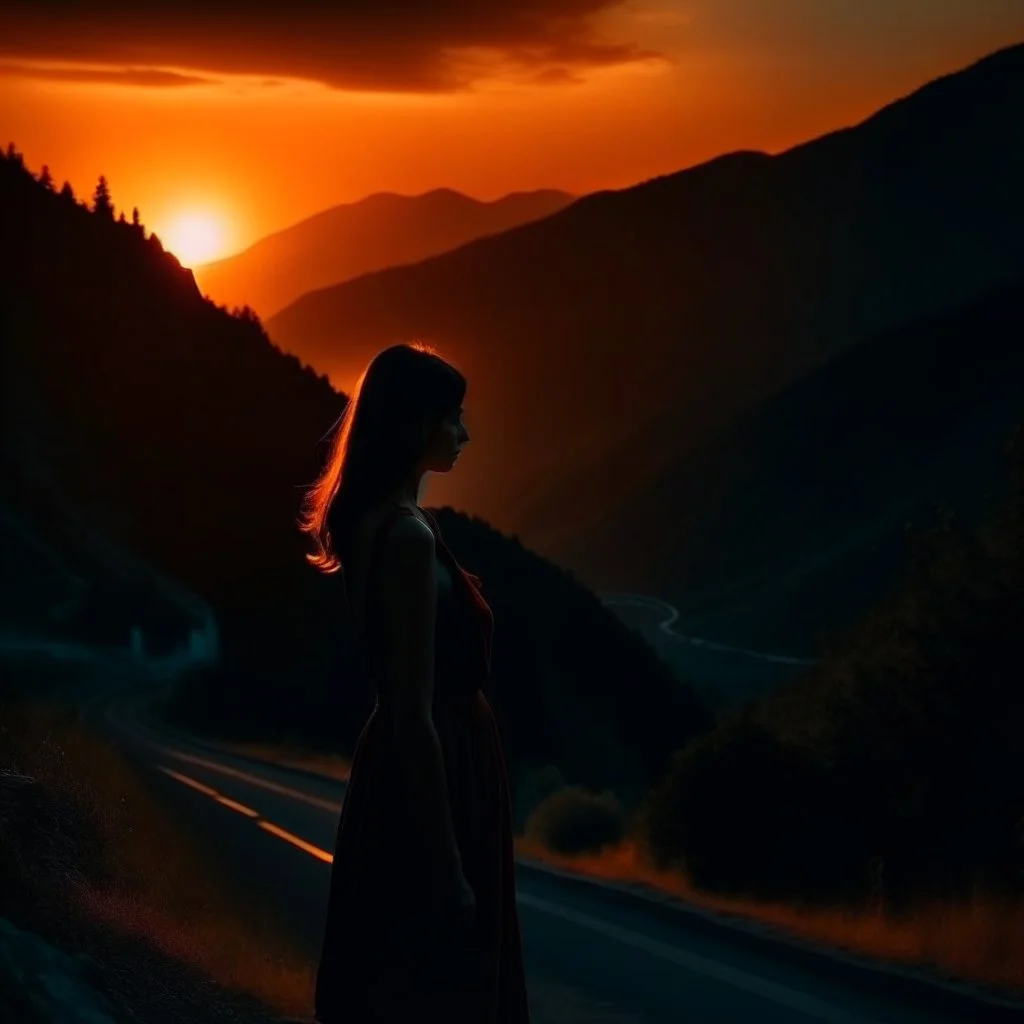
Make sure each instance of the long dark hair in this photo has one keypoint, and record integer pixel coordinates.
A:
(378, 440)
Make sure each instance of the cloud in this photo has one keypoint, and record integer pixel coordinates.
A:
(388, 45)
(114, 76)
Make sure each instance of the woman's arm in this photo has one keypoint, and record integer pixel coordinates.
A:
(408, 601)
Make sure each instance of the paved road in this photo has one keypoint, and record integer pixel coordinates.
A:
(595, 954)
(723, 674)
(666, 616)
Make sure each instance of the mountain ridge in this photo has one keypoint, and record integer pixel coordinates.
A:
(350, 239)
(681, 302)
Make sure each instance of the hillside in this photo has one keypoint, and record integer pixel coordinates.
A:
(886, 776)
(791, 519)
(178, 430)
(612, 340)
(346, 241)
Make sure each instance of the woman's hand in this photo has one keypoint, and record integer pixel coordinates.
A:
(456, 899)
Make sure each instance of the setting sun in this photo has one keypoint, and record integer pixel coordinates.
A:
(196, 237)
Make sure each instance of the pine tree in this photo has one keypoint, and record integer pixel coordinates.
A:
(120, 218)
(46, 179)
(101, 203)
(67, 192)
(136, 222)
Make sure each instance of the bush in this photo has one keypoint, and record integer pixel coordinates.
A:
(574, 820)
(532, 784)
(741, 811)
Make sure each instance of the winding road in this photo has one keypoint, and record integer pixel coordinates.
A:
(666, 626)
(596, 953)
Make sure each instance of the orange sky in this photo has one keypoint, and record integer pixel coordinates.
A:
(269, 118)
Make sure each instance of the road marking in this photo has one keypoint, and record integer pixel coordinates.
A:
(235, 806)
(249, 812)
(296, 841)
(194, 783)
(210, 791)
(790, 998)
(334, 806)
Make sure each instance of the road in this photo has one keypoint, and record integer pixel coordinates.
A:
(667, 616)
(723, 674)
(595, 953)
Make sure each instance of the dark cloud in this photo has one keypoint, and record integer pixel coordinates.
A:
(395, 45)
(115, 76)
(556, 76)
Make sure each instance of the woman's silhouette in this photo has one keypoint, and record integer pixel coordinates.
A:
(421, 918)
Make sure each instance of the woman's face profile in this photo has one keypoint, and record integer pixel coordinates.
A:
(444, 445)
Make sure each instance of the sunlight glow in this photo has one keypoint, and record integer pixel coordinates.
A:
(196, 237)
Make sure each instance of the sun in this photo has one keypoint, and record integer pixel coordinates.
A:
(195, 237)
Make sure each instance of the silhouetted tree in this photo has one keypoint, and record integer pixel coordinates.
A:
(136, 222)
(101, 202)
(248, 314)
(67, 193)
(155, 243)
(121, 219)
(45, 178)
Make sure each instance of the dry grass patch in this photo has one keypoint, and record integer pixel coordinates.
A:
(575, 821)
(979, 940)
(124, 883)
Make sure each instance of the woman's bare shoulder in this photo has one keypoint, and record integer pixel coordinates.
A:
(406, 559)
(402, 532)
(409, 533)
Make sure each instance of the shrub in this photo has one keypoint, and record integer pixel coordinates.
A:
(574, 820)
(741, 811)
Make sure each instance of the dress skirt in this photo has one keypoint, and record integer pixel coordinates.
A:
(390, 951)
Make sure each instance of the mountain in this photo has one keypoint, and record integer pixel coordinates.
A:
(610, 341)
(352, 239)
(179, 431)
(791, 519)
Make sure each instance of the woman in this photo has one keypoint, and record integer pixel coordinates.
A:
(421, 921)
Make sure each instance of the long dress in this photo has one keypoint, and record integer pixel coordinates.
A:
(388, 954)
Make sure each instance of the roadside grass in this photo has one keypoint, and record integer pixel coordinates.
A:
(977, 941)
(89, 860)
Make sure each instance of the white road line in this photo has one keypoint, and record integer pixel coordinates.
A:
(235, 806)
(297, 841)
(194, 783)
(816, 1009)
(249, 812)
(328, 805)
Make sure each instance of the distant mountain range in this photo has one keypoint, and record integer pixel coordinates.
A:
(611, 343)
(382, 230)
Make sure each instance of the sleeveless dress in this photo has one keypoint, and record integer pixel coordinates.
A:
(387, 953)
